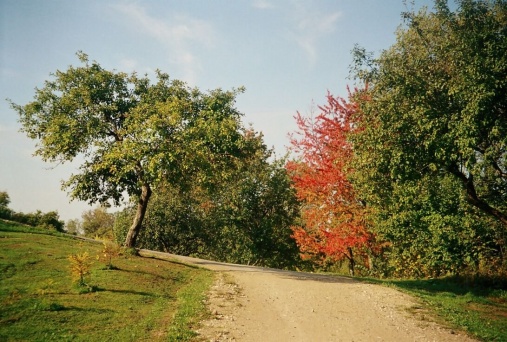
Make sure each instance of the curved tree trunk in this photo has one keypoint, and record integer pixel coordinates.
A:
(142, 205)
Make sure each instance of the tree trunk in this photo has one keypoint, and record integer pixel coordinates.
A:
(371, 265)
(142, 205)
(352, 263)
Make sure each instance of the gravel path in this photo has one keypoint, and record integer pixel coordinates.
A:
(259, 304)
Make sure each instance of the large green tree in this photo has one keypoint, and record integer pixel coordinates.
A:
(131, 134)
(437, 104)
(433, 125)
(243, 218)
(97, 222)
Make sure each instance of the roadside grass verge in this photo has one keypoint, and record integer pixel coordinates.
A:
(191, 308)
(140, 299)
(477, 306)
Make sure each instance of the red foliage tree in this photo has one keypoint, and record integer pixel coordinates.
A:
(333, 218)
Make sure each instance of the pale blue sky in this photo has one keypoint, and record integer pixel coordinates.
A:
(287, 54)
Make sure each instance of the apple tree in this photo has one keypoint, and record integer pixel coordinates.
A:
(130, 133)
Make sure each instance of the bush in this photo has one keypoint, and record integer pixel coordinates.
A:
(5, 212)
(110, 250)
(80, 265)
(49, 220)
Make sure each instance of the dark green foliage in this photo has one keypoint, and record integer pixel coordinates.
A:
(5, 212)
(241, 216)
(433, 232)
(172, 223)
(50, 220)
(431, 145)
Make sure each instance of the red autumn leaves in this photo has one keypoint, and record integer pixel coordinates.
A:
(332, 218)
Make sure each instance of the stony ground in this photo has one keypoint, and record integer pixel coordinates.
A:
(258, 304)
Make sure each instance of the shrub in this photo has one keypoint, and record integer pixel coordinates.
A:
(80, 265)
(109, 251)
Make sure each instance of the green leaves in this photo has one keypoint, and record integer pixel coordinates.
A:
(240, 210)
(130, 132)
(429, 144)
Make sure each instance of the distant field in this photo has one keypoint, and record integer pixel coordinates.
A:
(139, 300)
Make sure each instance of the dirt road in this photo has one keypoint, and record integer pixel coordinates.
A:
(258, 304)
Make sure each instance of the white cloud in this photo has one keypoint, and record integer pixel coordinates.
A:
(178, 34)
(8, 73)
(262, 4)
(128, 64)
(309, 26)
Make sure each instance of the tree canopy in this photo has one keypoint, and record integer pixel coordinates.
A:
(437, 104)
(432, 124)
(4, 204)
(243, 218)
(131, 133)
(412, 168)
(96, 222)
(332, 216)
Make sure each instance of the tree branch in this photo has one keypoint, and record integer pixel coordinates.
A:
(473, 198)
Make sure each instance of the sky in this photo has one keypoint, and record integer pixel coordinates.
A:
(287, 54)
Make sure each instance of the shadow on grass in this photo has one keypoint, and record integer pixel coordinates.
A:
(133, 292)
(150, 274)
(92, 289)
(110, 268)
(58, 307)
(479, 286)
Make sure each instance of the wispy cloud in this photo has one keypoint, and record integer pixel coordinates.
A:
(178, 34)
(309, 26)
(262, 4)
(128, 64)
(8, 73)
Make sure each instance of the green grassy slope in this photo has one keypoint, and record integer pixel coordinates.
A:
(142, 299)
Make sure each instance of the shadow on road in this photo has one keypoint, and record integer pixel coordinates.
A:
(226, 267)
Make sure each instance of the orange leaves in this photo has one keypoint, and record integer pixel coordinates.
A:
(333, 218)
